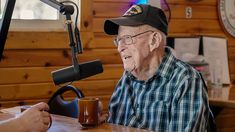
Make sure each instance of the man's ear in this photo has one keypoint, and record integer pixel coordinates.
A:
(155, 42)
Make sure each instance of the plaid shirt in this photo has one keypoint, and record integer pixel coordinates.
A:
(174, 99)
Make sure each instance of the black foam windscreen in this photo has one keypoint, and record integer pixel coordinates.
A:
(71, 73)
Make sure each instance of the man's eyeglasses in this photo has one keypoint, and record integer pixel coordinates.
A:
(127, 39)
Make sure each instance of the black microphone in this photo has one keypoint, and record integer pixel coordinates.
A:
(76, 71)
(69, 74)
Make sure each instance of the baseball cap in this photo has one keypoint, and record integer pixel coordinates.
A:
(139, 14)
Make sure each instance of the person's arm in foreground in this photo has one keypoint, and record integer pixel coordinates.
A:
(32, 119)
(190, 107)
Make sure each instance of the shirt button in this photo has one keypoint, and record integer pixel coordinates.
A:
(137, 108)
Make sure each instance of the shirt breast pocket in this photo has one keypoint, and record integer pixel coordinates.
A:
(159, 97)
(158, 102)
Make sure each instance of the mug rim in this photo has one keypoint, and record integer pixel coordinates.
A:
(89, 99)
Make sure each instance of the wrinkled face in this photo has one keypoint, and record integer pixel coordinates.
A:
(135, 55)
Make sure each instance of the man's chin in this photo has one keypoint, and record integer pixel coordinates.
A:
(130, 69)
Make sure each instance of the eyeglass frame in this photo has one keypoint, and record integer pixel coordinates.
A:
(116, 40)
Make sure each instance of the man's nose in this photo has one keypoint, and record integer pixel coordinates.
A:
(121, 47)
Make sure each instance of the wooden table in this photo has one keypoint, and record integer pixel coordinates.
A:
(67, 124)
(220, 98)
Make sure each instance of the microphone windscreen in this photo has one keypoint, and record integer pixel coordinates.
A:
(71, 73)
(64, 75)
(88, 69)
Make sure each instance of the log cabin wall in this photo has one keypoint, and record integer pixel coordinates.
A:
(29, 57)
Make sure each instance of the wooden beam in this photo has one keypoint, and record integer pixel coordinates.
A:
(86, 15)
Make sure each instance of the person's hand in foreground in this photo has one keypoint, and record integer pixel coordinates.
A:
(35, 118)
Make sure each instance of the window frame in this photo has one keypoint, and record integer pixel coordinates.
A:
(42, 25)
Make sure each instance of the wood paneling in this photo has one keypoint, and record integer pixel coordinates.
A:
(190, 26)
(178, 11)
(194, 26)
(186, 2)
(110, 10)
(43, 74)
(86, 17)
(36, 40)
(103, 42)
(104, 99)
(44, 40)
(198, 12)
(47, 58)
(45, 90)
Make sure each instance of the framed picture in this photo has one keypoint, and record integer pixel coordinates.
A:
(226, 10)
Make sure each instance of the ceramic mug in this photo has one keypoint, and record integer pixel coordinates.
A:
(88, 111)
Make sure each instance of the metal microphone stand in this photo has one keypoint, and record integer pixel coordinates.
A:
(68, 11)
(70, 73)
(76, 71)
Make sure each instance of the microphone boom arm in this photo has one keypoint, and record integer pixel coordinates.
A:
(67, 10)
(72, 43)
(76, 71)
(63, 9)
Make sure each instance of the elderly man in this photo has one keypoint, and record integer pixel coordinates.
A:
(157, 91)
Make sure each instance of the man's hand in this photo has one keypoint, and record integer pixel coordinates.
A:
(35, 118)
(102, 116)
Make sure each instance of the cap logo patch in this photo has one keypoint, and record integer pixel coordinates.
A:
(134, 10)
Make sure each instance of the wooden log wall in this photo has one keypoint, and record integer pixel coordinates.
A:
(29, 57)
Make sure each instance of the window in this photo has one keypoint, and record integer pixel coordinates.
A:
(34, 15)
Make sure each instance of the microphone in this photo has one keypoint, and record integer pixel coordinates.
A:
(76, 71)
(69, 74)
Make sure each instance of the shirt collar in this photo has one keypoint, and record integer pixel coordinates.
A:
(167, 66)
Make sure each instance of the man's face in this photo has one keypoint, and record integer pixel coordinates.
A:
(135, 55)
